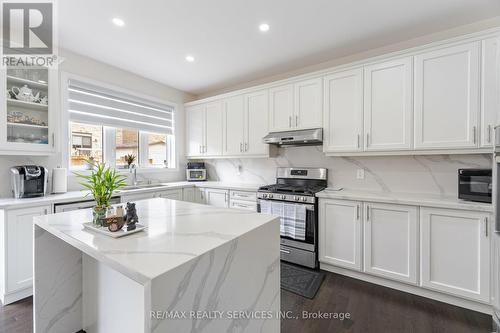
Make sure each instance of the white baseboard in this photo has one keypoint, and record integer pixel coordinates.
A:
(16, 296)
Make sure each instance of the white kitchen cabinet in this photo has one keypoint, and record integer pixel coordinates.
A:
(246, 200)
(447, 97)
(489, 90)
(455, 252)
(234, 125)
(388, 105)
(343, 113)
(213, 115)
(217, 197)
(245, 124)
(204, 129)
(281, 108)
(245, 205)
(174, 194)
(390, 241)
(256, 123)
(194, 194)
(131, 197)
(28, 126)
(195, 121)
(308, 104)
(340, 239)
(17, 239)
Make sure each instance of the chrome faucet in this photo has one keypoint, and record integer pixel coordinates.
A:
(133, 170)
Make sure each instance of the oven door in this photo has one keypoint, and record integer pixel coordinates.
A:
(475, 185)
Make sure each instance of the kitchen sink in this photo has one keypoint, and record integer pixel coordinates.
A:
(141, 187)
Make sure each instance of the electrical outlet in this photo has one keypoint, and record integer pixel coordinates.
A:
(360, 174)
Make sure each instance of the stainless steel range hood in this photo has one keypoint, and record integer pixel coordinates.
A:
(295, 138)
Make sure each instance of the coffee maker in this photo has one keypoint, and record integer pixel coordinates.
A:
(29, 181)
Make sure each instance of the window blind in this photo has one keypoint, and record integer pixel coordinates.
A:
(98, 105)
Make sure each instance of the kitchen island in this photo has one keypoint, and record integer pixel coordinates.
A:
(196, 268)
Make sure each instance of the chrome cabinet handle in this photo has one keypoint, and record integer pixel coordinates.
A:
(357, 212)
(485, 226)
(45, 211)
(367, 213)
(53, 140)
(474, 133)
(359, 137)
(367, 139)
(241, 147)
(246, 146)
(296, 120)
(489, 133)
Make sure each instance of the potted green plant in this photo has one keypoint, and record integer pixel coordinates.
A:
(129, 158)
(102, 182)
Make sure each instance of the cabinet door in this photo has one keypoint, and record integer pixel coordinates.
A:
(170, 194)
(388, 105)
(137, 196)
(280, 108)
(234, 120)
(447, 97)
(489, 90)
(455, 254)
(213, 137)
(308, 104)
(195, 121)
(390, 241)
(256, 118)
(217, 197)
(19, 240)
(340, 233)
(188, 194)
(343, 113)
(244, 205)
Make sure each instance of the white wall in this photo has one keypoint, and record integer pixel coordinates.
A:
(98, 71)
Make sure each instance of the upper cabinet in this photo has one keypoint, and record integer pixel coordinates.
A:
(447, 97)
(29, 103)
(296, 106)
(388, 105)
(489, 91)
(204, 130)
(434, 99)
(245, 124)
(343, 128)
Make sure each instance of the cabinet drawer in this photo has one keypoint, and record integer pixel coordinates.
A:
(243, 195)
(240, 204)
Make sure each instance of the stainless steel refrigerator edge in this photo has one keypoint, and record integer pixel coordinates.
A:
(496, 234)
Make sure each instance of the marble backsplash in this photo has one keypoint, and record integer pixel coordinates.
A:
(433, 174)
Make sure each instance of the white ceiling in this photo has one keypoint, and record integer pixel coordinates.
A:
(224, 38)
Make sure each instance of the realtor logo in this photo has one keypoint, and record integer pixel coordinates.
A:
(27, 28)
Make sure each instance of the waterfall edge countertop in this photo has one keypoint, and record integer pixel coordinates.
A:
(414, 199)
(176, 233)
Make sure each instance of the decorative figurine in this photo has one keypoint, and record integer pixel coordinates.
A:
(114, 223)
(131, 217)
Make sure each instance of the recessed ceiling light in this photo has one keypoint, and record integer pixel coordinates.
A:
(118, 21)
(264, 27)
(189, 58)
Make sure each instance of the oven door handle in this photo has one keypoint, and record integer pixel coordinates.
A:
(309, 207)
(285, 251)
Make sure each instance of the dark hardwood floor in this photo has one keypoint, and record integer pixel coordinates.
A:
(372, 308)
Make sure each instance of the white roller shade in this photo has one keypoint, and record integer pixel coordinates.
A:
(92, 104)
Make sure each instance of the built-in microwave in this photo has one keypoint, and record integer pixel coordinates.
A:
(475, 185)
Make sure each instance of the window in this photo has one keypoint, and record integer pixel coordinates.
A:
(86, 143)
(108, 125)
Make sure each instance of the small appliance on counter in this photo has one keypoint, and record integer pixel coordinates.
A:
(475, 185)
(29, 181)
(196, 171)
(59, 180)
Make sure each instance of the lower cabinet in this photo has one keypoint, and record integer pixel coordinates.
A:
(443, 250)
(340, 233)
(17, 234)
(390, 241)
(170, 194)
(455, 252)
(217, 197)
(136, 196)
(194, 194)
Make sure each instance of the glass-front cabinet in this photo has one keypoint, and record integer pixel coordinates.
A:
(27, 119)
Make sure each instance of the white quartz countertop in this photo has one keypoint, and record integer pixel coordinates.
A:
(73, 196)
(416, 199)
(176, 233)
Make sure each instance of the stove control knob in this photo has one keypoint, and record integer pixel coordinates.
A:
(264, 195)
(270, 196)
(304, 199)
(296, 198)
(283, 197)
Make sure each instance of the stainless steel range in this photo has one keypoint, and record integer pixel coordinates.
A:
(293, 199)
